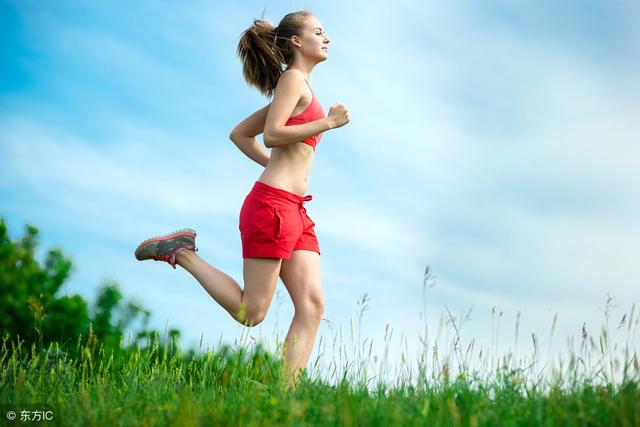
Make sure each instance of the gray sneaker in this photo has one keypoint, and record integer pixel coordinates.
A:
(165, 248)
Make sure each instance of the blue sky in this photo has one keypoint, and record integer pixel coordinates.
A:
(495, 141)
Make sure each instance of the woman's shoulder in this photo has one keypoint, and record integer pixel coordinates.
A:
(292, 81)
(292, 75)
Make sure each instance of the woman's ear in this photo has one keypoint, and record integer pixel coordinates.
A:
(296, 41)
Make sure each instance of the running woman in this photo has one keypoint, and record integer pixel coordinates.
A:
(278, 238)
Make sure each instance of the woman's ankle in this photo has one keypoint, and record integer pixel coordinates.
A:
(184, 255)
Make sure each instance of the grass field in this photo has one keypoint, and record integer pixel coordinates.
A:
(155, 382)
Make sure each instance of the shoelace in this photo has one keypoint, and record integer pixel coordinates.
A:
(171, 259)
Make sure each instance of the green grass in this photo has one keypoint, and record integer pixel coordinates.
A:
(159, 384)
(153, 386)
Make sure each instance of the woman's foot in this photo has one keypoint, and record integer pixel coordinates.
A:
(165, 248)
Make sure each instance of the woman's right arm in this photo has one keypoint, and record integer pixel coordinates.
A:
(287, 93)
(244, 136)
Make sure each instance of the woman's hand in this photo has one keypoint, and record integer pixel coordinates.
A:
(338, 116)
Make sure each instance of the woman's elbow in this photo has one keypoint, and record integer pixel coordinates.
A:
(233, 136)
(268, 139)
(237, 138)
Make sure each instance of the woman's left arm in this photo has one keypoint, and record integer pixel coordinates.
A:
(245, 132)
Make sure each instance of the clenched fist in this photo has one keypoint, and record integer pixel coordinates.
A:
(338, 116)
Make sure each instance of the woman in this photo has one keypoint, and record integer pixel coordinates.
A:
(278, 239)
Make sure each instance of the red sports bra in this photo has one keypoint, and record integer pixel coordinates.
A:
(313, 112)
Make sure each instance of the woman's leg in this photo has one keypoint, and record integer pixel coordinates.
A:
(302, 277)
(248, 306)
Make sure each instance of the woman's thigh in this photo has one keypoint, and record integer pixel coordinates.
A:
(302, 276)
(260, 279)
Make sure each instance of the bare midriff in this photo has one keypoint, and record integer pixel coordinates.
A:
(289, 168)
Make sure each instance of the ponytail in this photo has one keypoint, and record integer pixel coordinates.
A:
(264, 49)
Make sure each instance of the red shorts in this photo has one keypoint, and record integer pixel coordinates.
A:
(274, 223)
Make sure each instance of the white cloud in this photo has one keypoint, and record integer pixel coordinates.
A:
(129, 170)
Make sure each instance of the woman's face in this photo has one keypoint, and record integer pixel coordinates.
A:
(314, 41)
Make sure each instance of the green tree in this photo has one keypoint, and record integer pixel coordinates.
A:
(32, 308)
(29, 306)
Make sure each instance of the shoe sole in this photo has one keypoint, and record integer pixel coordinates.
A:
(179, 233)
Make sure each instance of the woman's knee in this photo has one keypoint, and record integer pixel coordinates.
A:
(251, 315)
(311, 306)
